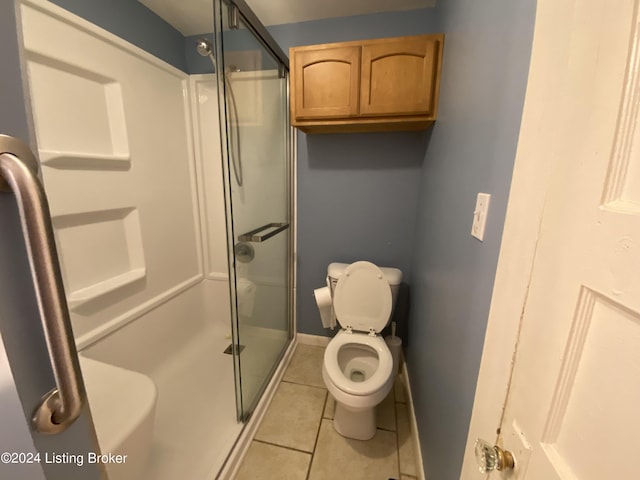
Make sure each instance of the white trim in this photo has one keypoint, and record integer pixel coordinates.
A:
(111, 326)
(234, 460)
(415, 436)
(194, 107)
(194, 170)
(315, 340)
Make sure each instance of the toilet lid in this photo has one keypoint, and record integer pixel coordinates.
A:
(362, 299)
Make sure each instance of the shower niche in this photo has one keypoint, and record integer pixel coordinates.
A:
(81, 128)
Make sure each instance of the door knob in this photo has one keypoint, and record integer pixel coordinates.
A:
(492, 457)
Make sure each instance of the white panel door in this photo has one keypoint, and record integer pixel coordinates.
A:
(572, 408)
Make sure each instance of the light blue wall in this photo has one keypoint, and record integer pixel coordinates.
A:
(135, 23)
(472, 149)
(357, 193)
(358, 27)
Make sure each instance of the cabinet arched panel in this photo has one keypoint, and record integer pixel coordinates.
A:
(398, 77)
(329, 80)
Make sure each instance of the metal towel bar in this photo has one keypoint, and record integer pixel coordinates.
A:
(252, 237)
(62, 405)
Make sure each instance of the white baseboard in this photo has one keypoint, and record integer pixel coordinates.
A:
(316, 340)
(415, 436)
(232, 465)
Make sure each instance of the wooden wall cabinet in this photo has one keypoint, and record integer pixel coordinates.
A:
(370, 85)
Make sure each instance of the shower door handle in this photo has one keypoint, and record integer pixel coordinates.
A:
(252, 237)
(62, 405)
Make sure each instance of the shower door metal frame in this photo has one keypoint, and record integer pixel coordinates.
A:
(265, 38)
(260, 31)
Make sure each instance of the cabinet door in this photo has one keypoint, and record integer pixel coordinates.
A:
(399, 76)
(326, 82)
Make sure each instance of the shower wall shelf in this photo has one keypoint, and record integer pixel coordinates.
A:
(366, 86)
(84, 161)
(85, 295)
(102, 251)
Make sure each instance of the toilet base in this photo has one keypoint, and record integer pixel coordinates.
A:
(358, 424)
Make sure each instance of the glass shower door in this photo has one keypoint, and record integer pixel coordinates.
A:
(253, 91)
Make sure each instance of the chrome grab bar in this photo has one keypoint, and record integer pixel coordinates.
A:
(252, 237)
(61, 406)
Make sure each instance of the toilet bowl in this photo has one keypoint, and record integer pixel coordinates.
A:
(122, 404)
(358, 366)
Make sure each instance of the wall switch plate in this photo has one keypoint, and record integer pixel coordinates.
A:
(480, 215)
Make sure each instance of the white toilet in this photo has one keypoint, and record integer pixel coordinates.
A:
(358, 366)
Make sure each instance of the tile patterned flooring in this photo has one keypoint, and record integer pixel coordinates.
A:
(296, 439)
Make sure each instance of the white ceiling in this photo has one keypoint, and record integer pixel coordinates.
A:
(192, 17)
(275, 12)
(189, 17)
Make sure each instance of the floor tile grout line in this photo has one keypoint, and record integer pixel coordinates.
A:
(303, 384)
(282, 446)
(396, 405)
(315, 444)
(395, 412)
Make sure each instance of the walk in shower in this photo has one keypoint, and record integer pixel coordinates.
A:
(170, 182)
(253, 95)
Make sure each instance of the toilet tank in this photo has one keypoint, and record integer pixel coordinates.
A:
(393, 276)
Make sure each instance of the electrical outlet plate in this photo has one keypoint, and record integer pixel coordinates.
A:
(480, 215)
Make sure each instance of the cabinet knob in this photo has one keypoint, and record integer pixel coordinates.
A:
(492, 457)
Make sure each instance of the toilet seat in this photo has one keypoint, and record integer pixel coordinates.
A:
(337, 376)
(362, 300)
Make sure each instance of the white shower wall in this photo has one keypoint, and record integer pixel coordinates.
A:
(132, 206)
(116, 143)
(206, 135)
(130, 156)
(131, 160)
